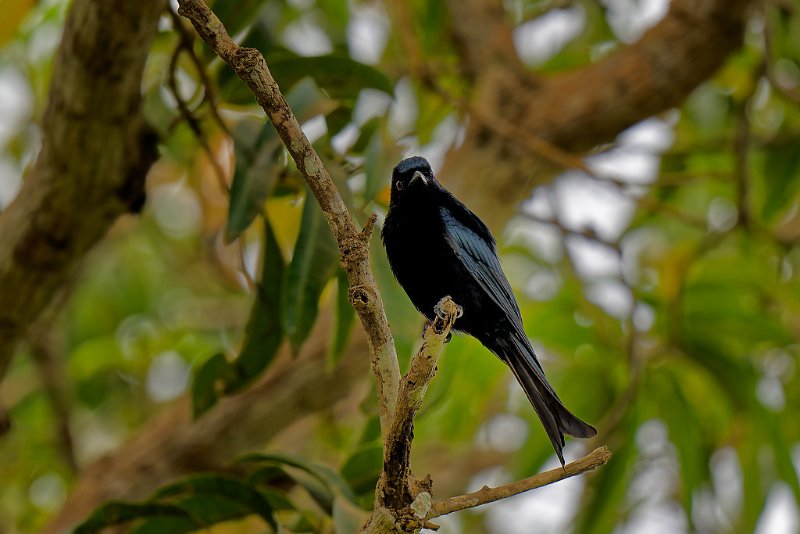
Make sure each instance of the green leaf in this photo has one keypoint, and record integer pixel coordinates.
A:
(257, 166)
(210, 383)
(165, 525)
(774, 429)
(117, 513)
(754, 486)
(344, 318)
(236, 16)
(263, 334)
(782, 178)
(602, 509)
(322, 474)
(313, 263)
(362, 469)
(340, 76)
(220, 487)
(685, 432)
(259, 157)
(347, 517)
(405, 320)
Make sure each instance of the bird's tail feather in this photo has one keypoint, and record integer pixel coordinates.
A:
(556, 419)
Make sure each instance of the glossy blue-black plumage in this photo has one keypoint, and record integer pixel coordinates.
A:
(436, 247)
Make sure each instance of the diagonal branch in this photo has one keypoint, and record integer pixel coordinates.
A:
(486, 494)
(251, 67)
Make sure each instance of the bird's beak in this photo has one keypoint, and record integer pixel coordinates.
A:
(419, 176)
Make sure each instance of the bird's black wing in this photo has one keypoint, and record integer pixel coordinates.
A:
(479, 259)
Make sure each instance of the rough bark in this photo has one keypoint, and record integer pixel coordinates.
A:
(95, 154)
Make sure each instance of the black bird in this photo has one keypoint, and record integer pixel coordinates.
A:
(438, 247)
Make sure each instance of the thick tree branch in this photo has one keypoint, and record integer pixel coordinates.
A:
(585, 107)
(486, 494)
(490, 47)
(95, 154)
(579, 109)
(251, 67)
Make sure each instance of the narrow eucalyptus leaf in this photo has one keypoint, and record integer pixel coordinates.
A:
(313, 263)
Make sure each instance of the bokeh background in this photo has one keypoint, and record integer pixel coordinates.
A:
(658, 284)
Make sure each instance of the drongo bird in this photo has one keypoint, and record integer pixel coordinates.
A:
(438, 247)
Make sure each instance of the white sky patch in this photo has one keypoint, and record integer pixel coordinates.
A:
(370, 103)
(652, 135)
(167, 376)
(592, 259)
(780, 515)
(48, 492)
(631, 18)
(404, 110)
(367, 32)
(306, 38)
(548, 510)
(584, 202)
(539, 204)
(542, 285)
(722, 214)
(504, 432)
(315, 128)
(543, 239)
(16, 103)
(653, 486)
(611, 295)
(176, 209)
(543, 37)
(726, 475)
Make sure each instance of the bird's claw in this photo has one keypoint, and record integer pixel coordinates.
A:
(440, 313)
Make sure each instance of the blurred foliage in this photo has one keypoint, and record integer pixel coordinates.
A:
(675, 332)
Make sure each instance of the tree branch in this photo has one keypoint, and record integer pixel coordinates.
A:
(393, 495)
(582, 108)
(486, 494)
(251, 67)
(96, 151)
(392, 490)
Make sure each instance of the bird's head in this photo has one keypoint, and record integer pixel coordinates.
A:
(412, 176)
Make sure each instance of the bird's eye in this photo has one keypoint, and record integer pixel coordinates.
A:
(399, 186)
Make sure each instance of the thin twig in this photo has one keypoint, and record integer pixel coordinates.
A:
(191, 120)
(486, 494)
(251, 67)
(210, 93)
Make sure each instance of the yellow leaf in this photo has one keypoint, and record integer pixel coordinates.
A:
(14, 12)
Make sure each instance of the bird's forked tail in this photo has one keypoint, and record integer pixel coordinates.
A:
(516, 351)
